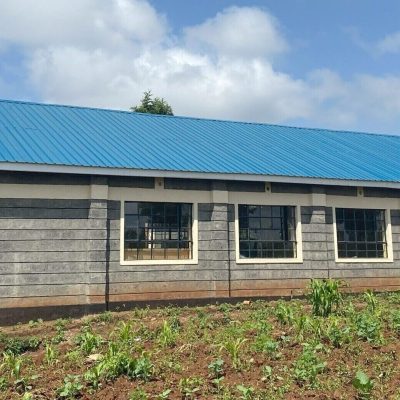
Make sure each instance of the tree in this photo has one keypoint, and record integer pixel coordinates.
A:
(152, 106)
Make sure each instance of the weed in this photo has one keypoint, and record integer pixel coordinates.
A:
(35, 322)
(71, 387)
(267, 372)
(337, 334)
(18, 346)
(368, 327)
(164, 395)
(216, 368)
(217, 383)
(190, 386)
(138, 394)
(119, 362)
(105, 317)
(3, 382)
(363, 384)
(395, 321)
(324, 296)
(266, 344)
(308, 366)
(245, 391)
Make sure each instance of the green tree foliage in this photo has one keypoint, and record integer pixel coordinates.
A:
(153, 106)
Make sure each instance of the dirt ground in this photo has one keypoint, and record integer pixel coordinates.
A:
(251, 350)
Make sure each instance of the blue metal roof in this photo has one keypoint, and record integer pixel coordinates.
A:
(87, 137)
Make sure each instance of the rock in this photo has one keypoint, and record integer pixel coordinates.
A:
(94, 357)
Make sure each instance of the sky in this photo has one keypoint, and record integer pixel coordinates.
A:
(331, 64)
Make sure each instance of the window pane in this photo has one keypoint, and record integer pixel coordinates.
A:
(158, 231)
(271, 232)
(361, 233)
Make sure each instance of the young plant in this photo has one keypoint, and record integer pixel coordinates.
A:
(50, 354)
(94, 375)
(371, 300)
(167, 335)
(284, 313)
(88, 341)
(124, 333)
(13, 364)
(233, 347)
(363, 384)
(325, 296)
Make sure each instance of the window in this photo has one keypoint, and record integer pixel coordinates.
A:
(267, 231)
(361, 233)
(157, 231)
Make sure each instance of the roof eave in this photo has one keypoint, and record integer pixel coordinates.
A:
(87, 170)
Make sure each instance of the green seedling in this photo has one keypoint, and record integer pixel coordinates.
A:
(363, 384)
(216, 367)
(71, 388)
(325, 296)
(233, 348)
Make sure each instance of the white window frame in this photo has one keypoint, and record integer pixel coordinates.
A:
(388, 232)
(299, 242)
(195, 242)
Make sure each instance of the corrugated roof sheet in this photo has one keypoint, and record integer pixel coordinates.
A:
(78, 136)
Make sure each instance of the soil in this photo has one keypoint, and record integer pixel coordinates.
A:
(190, 357)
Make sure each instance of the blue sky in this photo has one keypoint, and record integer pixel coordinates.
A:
(322, 32)
(333, 64)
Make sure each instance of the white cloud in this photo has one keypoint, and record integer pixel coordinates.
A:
(223, 84)
(107, 52)
(82, 23)
(389, 44)
(239, 31)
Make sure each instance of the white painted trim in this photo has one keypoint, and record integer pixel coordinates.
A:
(73, 169)
(389, 240)
(195, 237)
(299, 242)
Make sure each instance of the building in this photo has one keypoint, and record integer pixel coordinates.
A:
(102, 208)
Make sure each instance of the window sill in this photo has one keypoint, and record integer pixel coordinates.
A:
(269, 261)
(364, 260)
(159, 262)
